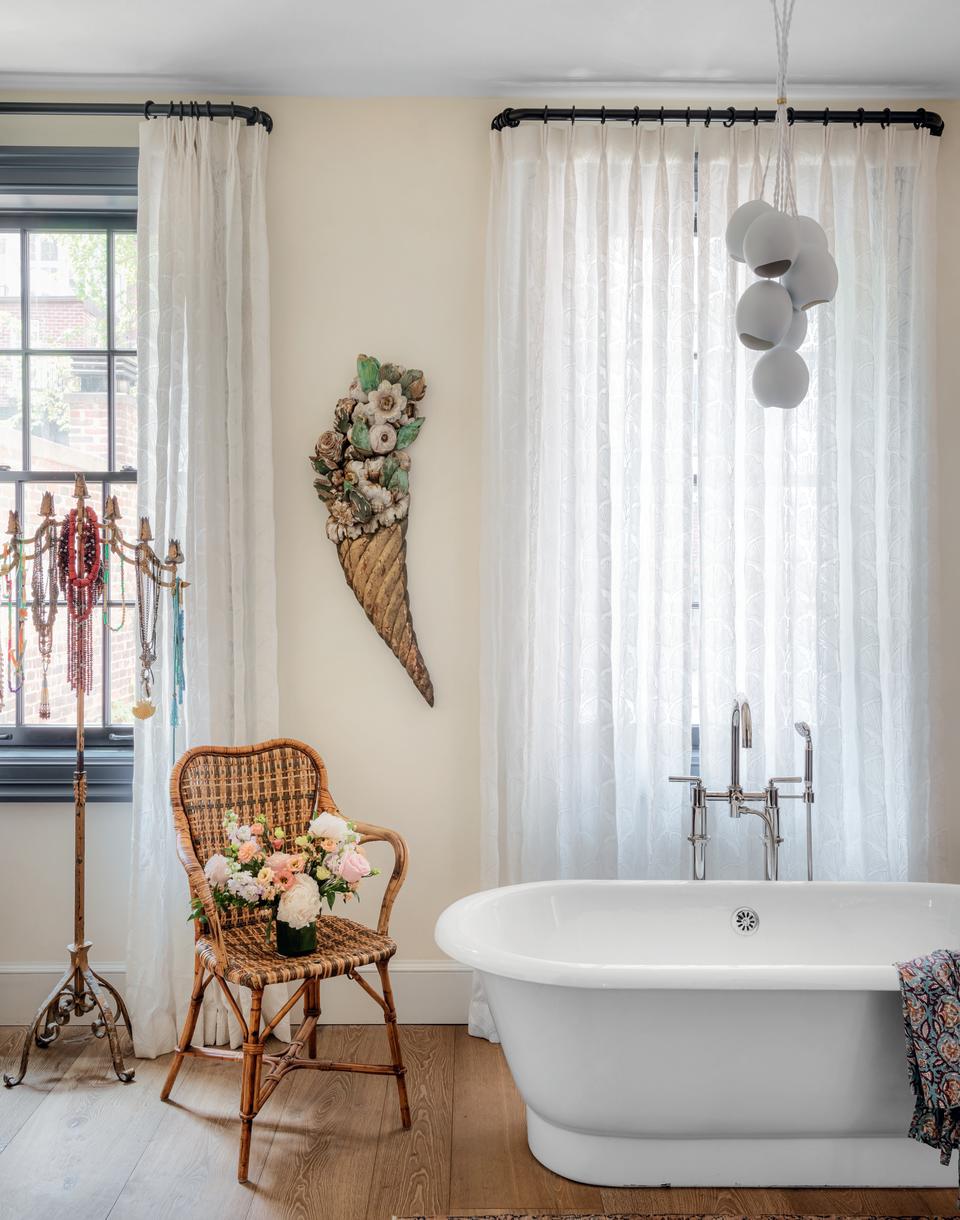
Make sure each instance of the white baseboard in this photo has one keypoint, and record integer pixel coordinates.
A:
(426, 992)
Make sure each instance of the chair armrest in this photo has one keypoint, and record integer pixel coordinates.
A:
(200, 888)
(374, 834)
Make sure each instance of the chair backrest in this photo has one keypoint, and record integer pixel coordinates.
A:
(284, 779)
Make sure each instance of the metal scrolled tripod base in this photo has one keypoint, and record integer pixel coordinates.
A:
(80, 991)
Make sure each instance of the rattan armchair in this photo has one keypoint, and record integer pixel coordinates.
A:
(287, 780)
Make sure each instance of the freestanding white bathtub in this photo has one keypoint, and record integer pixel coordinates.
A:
(712, 1033)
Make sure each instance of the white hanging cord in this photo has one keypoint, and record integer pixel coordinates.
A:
(783, 188)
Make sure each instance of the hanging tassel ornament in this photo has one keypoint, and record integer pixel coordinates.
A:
(81, 576)
(179, 681)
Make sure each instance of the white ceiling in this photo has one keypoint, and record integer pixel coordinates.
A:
(721, 49)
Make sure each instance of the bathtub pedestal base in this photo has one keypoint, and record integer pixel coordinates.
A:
(610, 1160)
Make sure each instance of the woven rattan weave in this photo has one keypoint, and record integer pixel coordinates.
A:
(287, 781)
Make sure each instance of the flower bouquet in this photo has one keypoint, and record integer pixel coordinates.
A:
(260, 869)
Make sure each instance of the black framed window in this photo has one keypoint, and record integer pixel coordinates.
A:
(68, 405)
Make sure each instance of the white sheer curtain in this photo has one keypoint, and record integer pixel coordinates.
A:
(613, 377)
(205, 476)
(814, 523)
(588, 465)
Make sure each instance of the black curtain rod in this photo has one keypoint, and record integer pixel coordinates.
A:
(148, 110)
(927, 120)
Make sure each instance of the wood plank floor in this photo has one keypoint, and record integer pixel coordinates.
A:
(73, 1141)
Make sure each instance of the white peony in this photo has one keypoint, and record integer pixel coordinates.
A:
(300, 905)
(217, 869)
(329, 826)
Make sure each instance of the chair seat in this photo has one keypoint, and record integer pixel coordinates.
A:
(342, 945)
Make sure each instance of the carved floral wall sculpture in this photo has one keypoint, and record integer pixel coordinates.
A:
(362, 466)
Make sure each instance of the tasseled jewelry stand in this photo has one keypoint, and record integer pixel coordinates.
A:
(81, 990)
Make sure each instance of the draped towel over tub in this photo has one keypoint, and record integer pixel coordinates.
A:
(205, 476)
(656, 541)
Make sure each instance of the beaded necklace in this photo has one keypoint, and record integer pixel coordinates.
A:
(107, 567)
(82, 578)
(44, 594)
(16, 613)
(148, 614)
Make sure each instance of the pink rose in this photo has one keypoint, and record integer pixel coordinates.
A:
(247, 851)
(279, 862)
(256, 828)
(354, 866)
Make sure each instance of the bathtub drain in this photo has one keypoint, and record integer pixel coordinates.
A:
(745, 920)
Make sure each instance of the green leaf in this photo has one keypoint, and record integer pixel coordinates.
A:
(399, 481)
(324, 490)
(361, 506)
(368, 370)
(390, 372)
(408, 433)
(390, 464)
(410, 376)
(360, 437)
(319, 465)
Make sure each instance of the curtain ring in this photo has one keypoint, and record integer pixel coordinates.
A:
(573, 115)
(603, 115)
(181, 112)
(732, 117)
(661, 116)
(233, 110)
(885, 121)
(790, 116)
(170, 111)
(254, 118)
(826, 116)
(858, 122)
(544, 116)
(706, 121)
(209, 111)
(636, 116)
(921, 119)
(688, 116)
(146, 109)
(756, 116)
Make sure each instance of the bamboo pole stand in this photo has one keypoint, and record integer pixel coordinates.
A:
(81, 990)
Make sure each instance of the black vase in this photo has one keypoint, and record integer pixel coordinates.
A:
(295, 942)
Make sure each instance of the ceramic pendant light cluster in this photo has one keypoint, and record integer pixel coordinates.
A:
(789, 254)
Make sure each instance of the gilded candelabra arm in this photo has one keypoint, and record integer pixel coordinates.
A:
(374, 834)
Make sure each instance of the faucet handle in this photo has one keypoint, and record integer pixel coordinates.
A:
(685, 779)
(786, 779)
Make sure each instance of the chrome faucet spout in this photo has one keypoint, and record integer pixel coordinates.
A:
(741, 736)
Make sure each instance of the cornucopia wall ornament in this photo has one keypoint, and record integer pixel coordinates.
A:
(363, 477)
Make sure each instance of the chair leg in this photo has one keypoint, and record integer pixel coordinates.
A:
(189, 1025)
(250, 1082)
(390, 1017)
(311, 1008)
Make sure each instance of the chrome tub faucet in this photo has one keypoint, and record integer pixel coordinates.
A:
(740, 802)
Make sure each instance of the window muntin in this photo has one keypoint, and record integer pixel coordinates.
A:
(68, 384)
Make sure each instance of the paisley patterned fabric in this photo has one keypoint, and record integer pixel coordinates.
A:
(930, 990)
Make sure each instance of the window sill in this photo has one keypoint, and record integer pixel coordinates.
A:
(31, 774)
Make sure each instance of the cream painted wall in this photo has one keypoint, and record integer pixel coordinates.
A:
(376, 213)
